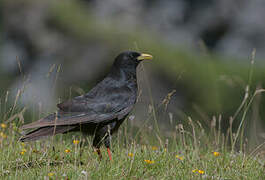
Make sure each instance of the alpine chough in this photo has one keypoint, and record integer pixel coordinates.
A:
(101, 111)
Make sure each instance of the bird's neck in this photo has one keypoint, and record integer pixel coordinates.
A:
(125, 77)
(123, 74)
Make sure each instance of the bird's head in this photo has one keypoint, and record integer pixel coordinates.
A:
(130, 59)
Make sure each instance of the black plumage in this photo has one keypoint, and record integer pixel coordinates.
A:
(101, 111)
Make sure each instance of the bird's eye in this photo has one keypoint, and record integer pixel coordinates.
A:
(134, 55)
(131, 56)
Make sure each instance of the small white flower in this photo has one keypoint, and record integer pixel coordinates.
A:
(84, 172)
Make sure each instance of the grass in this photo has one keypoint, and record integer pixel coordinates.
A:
(137, 154)
(188, 152)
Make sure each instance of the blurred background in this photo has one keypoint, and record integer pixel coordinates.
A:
(53, 50)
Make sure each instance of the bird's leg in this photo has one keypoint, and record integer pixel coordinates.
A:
(109, 153)
(108, 139)
(107, 144)
(81, 150)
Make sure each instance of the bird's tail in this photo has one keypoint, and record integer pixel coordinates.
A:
(46, 131)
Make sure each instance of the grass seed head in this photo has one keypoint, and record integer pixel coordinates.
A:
(154, 148)
(50, 174)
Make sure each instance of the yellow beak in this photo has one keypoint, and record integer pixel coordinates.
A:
(144, 57)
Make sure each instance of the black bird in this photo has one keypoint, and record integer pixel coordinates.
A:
(101, 111)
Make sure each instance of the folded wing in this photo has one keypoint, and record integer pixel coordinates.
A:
(73, 118)
(103, 103)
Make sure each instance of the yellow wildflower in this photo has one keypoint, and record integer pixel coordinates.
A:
(154, 148)
(194, 170)
(198, 171)
(130, 154)
(180, 157)
(201, 171)
(23, 151)
(3, 135)
(149, 161)
(67, 150)
(50, 174)
(76, 141)
(216, 154)
(23, 144)
(3, 125)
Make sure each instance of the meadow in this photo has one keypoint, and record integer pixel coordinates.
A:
(188, 152)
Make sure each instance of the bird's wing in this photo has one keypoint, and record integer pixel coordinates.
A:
(105, 105)
(108, 96)
(74, 118)
(107, 101)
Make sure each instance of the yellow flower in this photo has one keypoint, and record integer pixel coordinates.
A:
(3, 125)
(201, 171)
(76, 142)
(180, 157)
(24, 150)
(50, 174)
(194, 170)
(67, 150)
(216, 154)
(149, 161)
(154, 148)
(198, 171)
(23, 144)
(130, 154)
(3, 135)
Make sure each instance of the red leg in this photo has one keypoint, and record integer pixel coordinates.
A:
(109, 153)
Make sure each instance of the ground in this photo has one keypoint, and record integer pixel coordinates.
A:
(180, 157)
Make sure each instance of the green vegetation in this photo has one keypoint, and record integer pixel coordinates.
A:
(185, 155)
